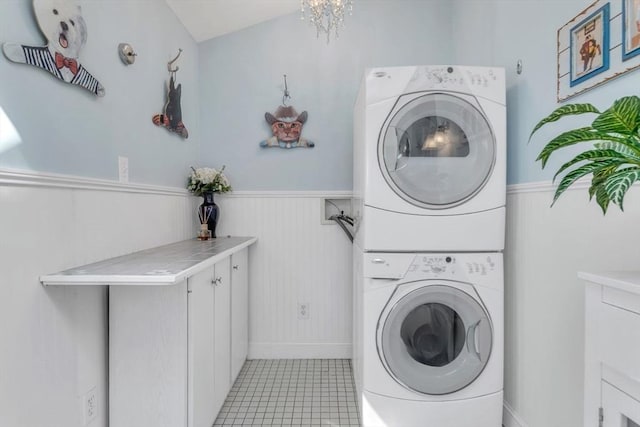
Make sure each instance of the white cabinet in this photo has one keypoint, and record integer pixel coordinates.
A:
(222, 333)
(612, 349)
(209, 342)
(171, 343)
(239, 311)
(201, 349)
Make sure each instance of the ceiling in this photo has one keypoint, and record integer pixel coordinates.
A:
(206, 19)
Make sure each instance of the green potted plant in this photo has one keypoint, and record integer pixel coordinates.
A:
(613, 156)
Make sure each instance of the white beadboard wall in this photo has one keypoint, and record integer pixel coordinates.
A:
(54, 339)
(296, 260)
(544, 300)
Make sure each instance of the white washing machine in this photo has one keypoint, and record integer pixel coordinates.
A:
(430, 159)
(428, 339)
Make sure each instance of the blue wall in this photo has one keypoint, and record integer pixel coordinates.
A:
(498, 33)
(65, 129)
(241, 79)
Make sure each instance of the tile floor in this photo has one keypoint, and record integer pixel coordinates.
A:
(313, 392)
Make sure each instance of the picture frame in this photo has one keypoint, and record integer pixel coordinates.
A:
(589, 46)
(620, 50)
(630, 29)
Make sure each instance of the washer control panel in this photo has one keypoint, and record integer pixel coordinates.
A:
(480, 267)
(452, 77)
(452, 265)
(434, 264)
(484, 269)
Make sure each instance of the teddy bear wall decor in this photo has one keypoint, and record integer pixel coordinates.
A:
(62, 24)
(171, 116)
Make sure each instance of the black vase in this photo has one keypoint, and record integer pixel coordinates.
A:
(209, 211)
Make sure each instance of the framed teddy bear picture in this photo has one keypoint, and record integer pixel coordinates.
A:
(65, 29)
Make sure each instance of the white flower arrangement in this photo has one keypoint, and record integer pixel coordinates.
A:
(202, 180)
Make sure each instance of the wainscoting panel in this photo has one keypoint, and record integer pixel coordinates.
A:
(544, 300)
(54, 339)
(297, 260)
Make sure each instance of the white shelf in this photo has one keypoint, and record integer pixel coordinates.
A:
(164, 265)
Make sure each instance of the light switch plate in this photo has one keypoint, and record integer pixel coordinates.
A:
(123, 169)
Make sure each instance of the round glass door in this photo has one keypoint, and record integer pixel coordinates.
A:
(436, 340)
(437, 151)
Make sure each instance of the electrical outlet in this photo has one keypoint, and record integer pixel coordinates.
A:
(303, 311)
(123, 169)
(90, 406)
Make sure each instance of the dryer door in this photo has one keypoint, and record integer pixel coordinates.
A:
(437, 150)
(435, 340)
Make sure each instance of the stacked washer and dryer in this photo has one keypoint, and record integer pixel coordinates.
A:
(429, 204)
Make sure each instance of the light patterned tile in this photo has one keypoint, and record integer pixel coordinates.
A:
(311, 392)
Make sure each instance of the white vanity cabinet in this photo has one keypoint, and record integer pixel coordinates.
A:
(209, 308)
(239, 311)
(218, 334)
(173, 315)
(222, 335)
(612, 349)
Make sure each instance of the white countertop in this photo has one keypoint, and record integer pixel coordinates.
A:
(164, 265)
(628, 281)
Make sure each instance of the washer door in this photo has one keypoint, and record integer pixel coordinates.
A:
(435, 340)
(437, 151)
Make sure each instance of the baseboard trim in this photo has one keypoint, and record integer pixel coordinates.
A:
(510, 418)
(299, 351)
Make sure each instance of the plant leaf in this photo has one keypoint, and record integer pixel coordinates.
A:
(623, 116)
(618, 183)
(599, 177)
(592, 155)
(576, 174)
(602, 198)
(565, 110)
(626, 148)
(572, 137)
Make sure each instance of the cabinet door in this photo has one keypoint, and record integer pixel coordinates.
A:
(620, 409)
(239, 311)
(201, 350)
(222, 335)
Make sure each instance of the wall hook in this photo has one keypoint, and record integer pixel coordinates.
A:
(127, 54)
(286, 95)
(172, 61)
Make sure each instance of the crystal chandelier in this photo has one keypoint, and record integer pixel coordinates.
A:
(326, 15)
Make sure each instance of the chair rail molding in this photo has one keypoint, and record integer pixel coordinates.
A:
(16, 177)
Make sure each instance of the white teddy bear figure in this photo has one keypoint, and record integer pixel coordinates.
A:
(62, 24)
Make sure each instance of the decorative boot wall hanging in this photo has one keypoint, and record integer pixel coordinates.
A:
(62, 24)
(171, 117)
(286, 126)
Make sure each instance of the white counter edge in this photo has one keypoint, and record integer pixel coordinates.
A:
(628, 281)
(124, 280)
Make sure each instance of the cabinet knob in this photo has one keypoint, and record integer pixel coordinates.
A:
(236, 267)
(216, 281)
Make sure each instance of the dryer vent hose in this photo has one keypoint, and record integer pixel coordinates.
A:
(341, 220)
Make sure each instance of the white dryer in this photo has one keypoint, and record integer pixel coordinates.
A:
(430, 159)
(428, 339)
